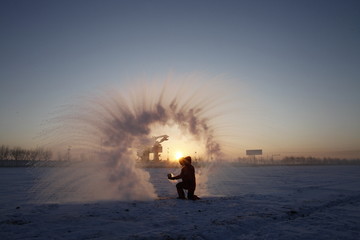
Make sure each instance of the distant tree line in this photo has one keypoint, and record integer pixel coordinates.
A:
(317, 161)
(294, 160)
(18, 153)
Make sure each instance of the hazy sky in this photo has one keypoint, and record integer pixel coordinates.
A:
(295, 64)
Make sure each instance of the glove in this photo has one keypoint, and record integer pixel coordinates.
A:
(169, 176)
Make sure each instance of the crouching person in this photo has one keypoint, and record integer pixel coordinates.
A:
(187, 175)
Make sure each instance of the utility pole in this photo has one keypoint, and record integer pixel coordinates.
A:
(68, 153)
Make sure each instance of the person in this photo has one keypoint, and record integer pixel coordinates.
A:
(187, 175)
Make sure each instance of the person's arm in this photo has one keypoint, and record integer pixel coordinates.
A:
(176, 177)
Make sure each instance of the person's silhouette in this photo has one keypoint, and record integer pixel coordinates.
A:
(187, 175)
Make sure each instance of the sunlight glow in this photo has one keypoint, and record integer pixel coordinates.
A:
(178, 155)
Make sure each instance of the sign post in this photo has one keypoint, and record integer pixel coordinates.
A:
(253, 153)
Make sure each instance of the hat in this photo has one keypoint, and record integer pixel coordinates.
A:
(186, 160)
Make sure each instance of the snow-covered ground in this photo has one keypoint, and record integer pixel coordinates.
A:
(303, 202)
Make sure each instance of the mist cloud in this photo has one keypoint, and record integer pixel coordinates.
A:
(117, 123)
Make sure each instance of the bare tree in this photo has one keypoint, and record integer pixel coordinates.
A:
(4, 153)
(45, 155)
(34, 154)
(17, 153)
(27, 154)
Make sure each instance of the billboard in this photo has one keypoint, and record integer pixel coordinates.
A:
(254, 152)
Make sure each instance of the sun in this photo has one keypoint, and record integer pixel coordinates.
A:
(178, 155)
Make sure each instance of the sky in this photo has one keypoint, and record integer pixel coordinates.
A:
(294, 65)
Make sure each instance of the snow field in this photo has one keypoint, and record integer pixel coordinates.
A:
(312, 202)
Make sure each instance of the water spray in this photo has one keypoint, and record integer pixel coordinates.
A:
(124, 122)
